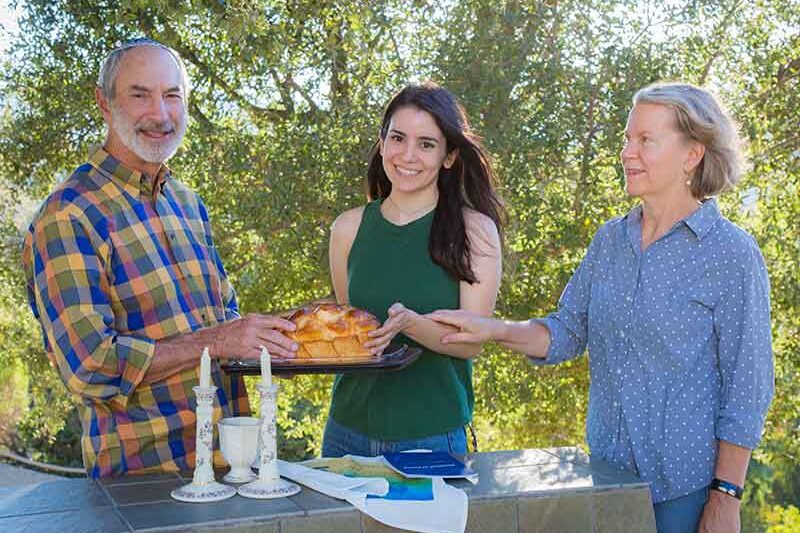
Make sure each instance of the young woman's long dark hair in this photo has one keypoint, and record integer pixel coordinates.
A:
(469, 182)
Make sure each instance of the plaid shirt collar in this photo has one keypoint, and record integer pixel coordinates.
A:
(133, 181)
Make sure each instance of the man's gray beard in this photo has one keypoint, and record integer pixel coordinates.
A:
(147, 150)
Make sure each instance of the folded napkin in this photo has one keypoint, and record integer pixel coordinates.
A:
(334, 485)
(445, 513)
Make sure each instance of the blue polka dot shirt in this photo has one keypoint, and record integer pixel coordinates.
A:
(679, 346)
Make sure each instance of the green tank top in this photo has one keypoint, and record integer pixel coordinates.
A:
(433, 395)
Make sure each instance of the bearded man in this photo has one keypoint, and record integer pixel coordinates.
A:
(124, 278)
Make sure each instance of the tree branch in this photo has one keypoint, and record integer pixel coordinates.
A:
(200, 117)
(786, 72)
(591, 130)
(283, 89)
(190, 55)
(302, 92)
(718, 39)
(338, 81)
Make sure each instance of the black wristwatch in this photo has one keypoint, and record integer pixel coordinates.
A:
(731, 489)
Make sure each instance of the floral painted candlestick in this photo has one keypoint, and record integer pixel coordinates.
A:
(269, 483)
(204, 488)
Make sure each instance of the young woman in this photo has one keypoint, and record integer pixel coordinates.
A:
(429, 238)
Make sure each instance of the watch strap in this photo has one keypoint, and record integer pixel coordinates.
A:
(731, 489)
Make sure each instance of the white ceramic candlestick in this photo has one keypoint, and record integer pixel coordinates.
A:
(269, 483)
(266, 367)
(204, 488)
(205, 369)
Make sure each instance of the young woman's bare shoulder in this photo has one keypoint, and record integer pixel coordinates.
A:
(479, 224)
(481, 230)
(347, 223)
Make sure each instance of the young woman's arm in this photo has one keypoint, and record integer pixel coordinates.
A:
(343, 234)
(478, 298)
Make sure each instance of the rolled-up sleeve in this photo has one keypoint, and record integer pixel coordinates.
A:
(568, 325)
(69, 289)
(742, 324)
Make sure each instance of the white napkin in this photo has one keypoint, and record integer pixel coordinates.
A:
(334, 485)
(446, 513)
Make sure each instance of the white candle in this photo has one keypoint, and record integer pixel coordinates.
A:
(266, 367)
(205, 368)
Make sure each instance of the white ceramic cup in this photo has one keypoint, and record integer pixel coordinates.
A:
(238, 441)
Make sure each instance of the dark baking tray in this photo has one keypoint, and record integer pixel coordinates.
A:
(394, 357)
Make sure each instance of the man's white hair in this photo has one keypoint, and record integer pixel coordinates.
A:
(110, 68)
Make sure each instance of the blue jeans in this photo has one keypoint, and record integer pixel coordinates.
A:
(681, 515)
(340, 440)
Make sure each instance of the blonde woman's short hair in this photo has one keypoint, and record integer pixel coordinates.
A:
(701, 118)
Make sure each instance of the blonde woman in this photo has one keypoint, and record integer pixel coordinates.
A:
(672, 300)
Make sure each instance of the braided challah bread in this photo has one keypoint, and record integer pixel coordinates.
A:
(332, 330)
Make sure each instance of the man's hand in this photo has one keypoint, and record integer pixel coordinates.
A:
(720, 514)
(399, 319)
(242, 338)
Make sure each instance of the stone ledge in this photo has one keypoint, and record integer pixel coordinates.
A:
(520, 491)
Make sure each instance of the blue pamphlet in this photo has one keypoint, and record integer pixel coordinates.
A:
(429, 464)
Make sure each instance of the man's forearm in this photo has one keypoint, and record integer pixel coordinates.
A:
(240, 338)
(177, 354)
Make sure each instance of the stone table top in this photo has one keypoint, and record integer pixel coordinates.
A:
(518, 491)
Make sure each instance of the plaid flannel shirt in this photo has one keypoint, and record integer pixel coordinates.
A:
(114, 261)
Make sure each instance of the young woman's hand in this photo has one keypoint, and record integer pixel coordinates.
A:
(399, 319)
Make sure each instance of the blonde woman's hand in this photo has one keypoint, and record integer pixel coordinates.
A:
(472, 328)
(720, 514)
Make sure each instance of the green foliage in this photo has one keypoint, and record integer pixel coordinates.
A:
(286, 102)
(782, 519)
